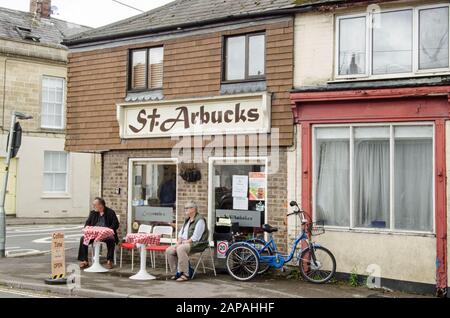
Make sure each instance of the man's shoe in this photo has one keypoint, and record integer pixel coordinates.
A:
(109, 265)
(84, 265)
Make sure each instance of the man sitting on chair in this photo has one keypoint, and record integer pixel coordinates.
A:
(192, 238)
(100, 216)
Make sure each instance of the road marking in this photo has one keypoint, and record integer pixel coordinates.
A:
(72, 228)
(13, 248)
(35, 234)
(22, 252)
(24, 293)
(48, 240)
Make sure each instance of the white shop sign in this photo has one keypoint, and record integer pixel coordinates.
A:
(244, 218)
(231, 114)
(154, 214)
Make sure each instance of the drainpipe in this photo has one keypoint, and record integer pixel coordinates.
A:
(4, 94)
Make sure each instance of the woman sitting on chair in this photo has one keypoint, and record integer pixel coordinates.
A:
(192, 238)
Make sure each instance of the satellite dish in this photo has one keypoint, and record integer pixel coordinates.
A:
(54, 10)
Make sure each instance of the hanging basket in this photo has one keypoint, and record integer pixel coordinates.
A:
(190, 174)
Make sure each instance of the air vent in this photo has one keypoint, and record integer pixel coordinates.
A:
(26, 34)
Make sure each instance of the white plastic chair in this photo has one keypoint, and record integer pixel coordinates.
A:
(143, 228)
(161, 230)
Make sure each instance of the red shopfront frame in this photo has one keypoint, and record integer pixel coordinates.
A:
(430, 104)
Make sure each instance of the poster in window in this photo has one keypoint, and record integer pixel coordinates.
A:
(257, 186)
(240, 203)
(240, 186)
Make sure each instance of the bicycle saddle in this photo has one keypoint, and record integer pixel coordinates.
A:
(269, 229)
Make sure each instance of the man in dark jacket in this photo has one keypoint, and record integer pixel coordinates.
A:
(100, 216)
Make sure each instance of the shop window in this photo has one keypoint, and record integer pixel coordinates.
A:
(146, 69)
(240, 193)
(409, 41)
(55, 171)
(244, 57)
(374, 176)
(52, 102)
(153, 194)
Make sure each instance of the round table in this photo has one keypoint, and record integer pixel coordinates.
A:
(142, 240)
(98, 234)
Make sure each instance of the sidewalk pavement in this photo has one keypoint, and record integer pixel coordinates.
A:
(30, 272)
(12, 220)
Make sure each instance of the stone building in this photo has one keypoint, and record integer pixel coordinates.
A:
(45, 181)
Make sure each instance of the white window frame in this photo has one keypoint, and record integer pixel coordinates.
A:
(63, 104)
(162, 161)
(238, 161)
(45, 192)
(369, 45)
(391, 126)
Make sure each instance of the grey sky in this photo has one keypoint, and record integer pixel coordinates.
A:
(93, 13)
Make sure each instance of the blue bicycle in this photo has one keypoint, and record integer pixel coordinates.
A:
(248, 258)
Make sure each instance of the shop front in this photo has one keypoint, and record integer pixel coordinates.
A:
(374, 170)
(225, 157)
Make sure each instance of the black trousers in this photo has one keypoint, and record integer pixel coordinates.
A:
(83, 250)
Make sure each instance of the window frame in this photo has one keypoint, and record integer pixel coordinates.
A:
(247, 77)
(44, 172)
(147, 65)
(162, 161)
(391, 125)
(415, 71)
(236, 161)
(63, 103)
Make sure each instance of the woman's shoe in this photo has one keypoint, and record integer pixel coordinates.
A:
(183, 278)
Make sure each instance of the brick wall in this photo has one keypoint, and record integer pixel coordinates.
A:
(192, 68)
(115, 175)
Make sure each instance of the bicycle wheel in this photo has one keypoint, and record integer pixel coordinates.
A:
(242, 262)
(259, 244)
(320, 271)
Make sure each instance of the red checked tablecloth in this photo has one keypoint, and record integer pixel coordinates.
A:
(143, 238)
(96, 233)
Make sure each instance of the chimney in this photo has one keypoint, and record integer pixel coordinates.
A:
(41, 8)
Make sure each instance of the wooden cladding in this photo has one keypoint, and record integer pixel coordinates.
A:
(191, 67)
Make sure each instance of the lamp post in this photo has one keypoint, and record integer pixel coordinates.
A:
(11, 137)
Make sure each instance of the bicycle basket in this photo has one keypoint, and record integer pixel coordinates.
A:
(317, 228)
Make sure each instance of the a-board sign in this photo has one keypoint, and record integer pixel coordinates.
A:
(58, 256)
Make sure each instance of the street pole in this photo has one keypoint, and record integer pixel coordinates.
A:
(3, 189)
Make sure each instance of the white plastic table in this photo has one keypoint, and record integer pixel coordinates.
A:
(142, 240)
(97, 233)
(143, 274)
(96, 267)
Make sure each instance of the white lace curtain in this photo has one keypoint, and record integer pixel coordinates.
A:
(412, 179)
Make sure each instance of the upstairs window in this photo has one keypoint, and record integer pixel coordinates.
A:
(146, 69)
(404, 41)
(244, 57)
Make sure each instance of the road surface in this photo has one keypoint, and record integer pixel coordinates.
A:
(31, 239)
(19, 293)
